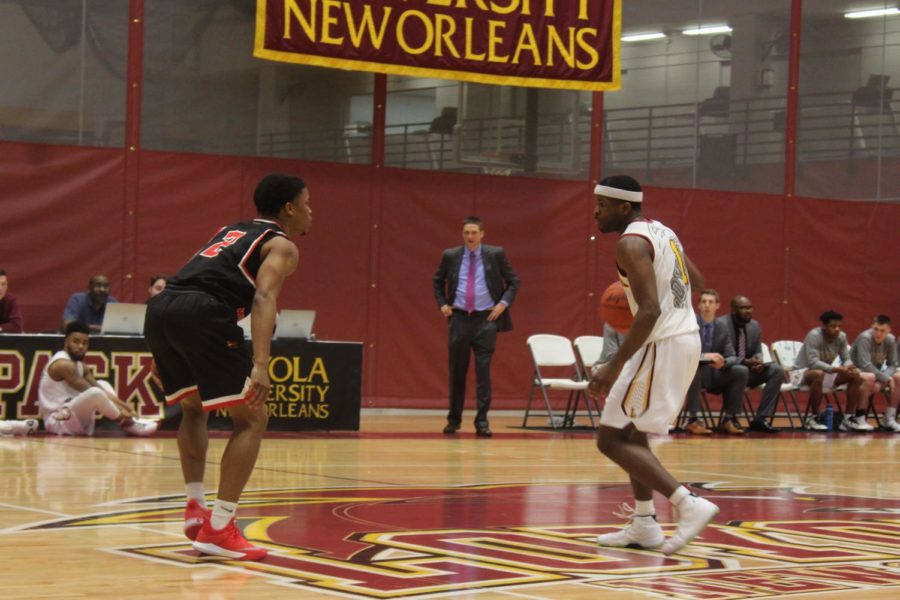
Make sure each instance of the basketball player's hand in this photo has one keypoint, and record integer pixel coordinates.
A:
(603, 378)
(498, 310)
(62, 413)
(258, 392)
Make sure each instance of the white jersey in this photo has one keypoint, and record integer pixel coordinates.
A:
(672, 281)
(52, 394)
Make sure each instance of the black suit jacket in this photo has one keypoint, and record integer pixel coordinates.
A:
(751, 330)
(502, 282)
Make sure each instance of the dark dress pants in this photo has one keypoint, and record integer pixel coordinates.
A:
(772, 376)
(728, 381)
(471, 333)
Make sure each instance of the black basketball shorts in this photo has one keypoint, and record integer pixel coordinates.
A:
(197, 346)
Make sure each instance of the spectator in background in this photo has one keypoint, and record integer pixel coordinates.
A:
(719, 372)
(11, 320)
(823, 364)
(157, 284)
(745, 335)
(612, 339)
(90, 306)
(874, 351)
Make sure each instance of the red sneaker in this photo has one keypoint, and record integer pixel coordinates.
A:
(227, 542)
(194, 516)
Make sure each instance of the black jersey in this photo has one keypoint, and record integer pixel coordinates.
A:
(226, 267)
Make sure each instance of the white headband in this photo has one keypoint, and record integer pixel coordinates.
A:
(611, 192)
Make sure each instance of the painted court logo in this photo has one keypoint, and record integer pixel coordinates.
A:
(407, 542)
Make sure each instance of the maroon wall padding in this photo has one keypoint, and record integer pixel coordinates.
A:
(860, 178)
(377, 237)
(184, 199)
(61, 220)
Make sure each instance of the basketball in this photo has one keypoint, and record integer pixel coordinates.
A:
(614, 308)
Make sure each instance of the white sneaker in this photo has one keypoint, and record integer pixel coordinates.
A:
(22, 427)
(859, 424)
(694, 513)
(890, 425)
(814, 425)
(642, 532)
(141, 427)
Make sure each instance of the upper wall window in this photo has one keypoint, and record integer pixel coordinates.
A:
(467, 127)
(704, 86)
(848, 139)
(66, 84)
(204, 91)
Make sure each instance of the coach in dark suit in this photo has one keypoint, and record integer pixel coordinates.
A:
(474, 287)
(745, 336)
(721, 371)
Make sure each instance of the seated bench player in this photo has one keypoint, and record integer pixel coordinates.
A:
(69, 397)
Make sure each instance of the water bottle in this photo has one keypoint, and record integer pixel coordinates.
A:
(829, 416)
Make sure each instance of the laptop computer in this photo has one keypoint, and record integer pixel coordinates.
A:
(288, 324)
(124, 318)
(295, 324)
(245, 325)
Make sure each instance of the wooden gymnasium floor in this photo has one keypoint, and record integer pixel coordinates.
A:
(401, 511)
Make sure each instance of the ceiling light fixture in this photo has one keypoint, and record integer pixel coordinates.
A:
(875, 12)
(642, 37)
(707, 30)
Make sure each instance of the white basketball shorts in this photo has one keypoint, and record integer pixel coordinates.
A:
(650, 389)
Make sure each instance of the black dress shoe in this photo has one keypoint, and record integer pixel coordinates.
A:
(483, 431)
(451, 428)
(762, 427)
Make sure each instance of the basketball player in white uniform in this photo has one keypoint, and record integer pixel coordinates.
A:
(647, 379)
(70, 398)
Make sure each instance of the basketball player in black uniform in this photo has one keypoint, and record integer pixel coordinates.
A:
(202, 361)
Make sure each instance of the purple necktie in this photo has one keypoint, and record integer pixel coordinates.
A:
(742, 345)
(470, 284)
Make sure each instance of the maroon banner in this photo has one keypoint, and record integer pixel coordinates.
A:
(570, 44)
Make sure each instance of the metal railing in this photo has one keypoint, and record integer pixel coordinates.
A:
(683, 135)
(721, 135)
(735, 133)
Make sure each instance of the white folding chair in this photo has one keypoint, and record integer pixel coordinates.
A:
(553, 351)
(588, 348)
(787, 391)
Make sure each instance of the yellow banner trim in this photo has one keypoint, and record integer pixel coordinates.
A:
(260, 51)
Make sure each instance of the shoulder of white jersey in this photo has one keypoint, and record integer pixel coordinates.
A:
(58, 356)
(641, 228)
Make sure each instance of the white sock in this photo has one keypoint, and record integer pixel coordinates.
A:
(890, 414)
(222, 513)
(194, 491)
(679, 494)
(644, 508)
